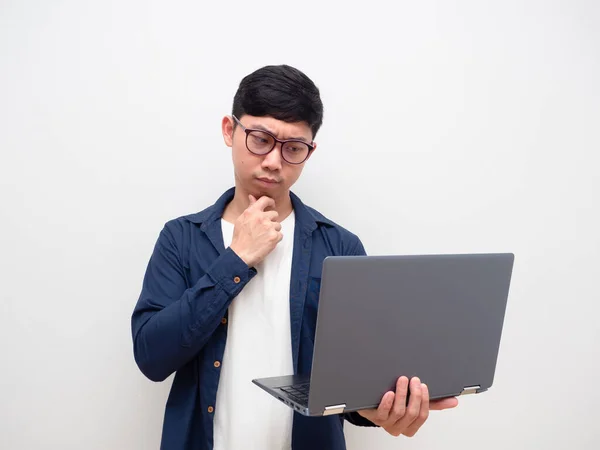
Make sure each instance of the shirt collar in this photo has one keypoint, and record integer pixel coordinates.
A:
(306, 216)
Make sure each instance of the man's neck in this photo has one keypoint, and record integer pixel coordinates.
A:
(240, 202)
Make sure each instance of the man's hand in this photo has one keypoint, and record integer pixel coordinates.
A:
(396, 417)
(256, 232)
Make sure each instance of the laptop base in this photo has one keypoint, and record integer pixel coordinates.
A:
(280, 387)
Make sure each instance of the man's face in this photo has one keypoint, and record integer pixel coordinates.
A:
(268, 174)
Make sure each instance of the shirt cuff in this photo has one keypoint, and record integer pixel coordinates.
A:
(231, 272)
(356, 419)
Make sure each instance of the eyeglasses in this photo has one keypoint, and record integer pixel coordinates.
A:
(260, 142)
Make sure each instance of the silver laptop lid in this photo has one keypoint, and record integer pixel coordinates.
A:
(438, 317)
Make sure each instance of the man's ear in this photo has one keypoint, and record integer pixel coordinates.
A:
(227, 129)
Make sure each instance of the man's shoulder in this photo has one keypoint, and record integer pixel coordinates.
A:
(209, 214)
(177, 228)
(192, 219)
(333, 228)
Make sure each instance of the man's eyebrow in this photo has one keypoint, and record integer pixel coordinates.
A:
(263, 128)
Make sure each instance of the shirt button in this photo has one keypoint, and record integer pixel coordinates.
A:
(236, 280)
(217, 364)
(224, 320)
(210, 409)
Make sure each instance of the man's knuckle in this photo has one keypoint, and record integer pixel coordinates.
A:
(395, 416)
(390, 421)
(413, 413)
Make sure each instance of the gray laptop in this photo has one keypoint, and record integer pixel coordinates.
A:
(438, 317)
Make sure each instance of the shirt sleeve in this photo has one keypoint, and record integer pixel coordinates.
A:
(171, 323)
(358, 249)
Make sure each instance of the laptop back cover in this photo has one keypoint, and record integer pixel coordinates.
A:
(438, 317)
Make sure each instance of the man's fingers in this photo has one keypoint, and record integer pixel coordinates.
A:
(444, 403)
(263, 203)
(423, 413)
(397, 417)
(252, 199)
(414, 404)
(380, 415)
(399, 408)
(412, 410)
(385, 407)
(272, 215)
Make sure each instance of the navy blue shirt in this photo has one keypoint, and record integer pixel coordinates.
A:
(180, 320)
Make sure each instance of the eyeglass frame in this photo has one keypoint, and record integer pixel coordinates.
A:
(275, 142)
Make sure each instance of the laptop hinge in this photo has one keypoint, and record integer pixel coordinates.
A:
(470, 390)
(335, 409)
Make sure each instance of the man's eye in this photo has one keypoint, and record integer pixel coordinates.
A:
(260, 139)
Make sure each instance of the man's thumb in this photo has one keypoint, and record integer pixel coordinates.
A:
(252, 199)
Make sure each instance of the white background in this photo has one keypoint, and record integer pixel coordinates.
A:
(462, 126)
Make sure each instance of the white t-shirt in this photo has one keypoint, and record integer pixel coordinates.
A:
(258, 345)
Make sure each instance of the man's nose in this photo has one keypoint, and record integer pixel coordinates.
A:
(272, 160)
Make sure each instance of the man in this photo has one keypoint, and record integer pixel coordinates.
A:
(231, 293)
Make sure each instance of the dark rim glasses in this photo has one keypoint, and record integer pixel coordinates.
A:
(261, 142)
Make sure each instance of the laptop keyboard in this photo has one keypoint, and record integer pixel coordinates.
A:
(298, 392)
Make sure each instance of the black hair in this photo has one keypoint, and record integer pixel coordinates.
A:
(282, 92)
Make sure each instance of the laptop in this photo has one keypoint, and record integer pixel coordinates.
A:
(438, 317)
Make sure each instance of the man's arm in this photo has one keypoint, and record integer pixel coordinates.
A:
(170, 323)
